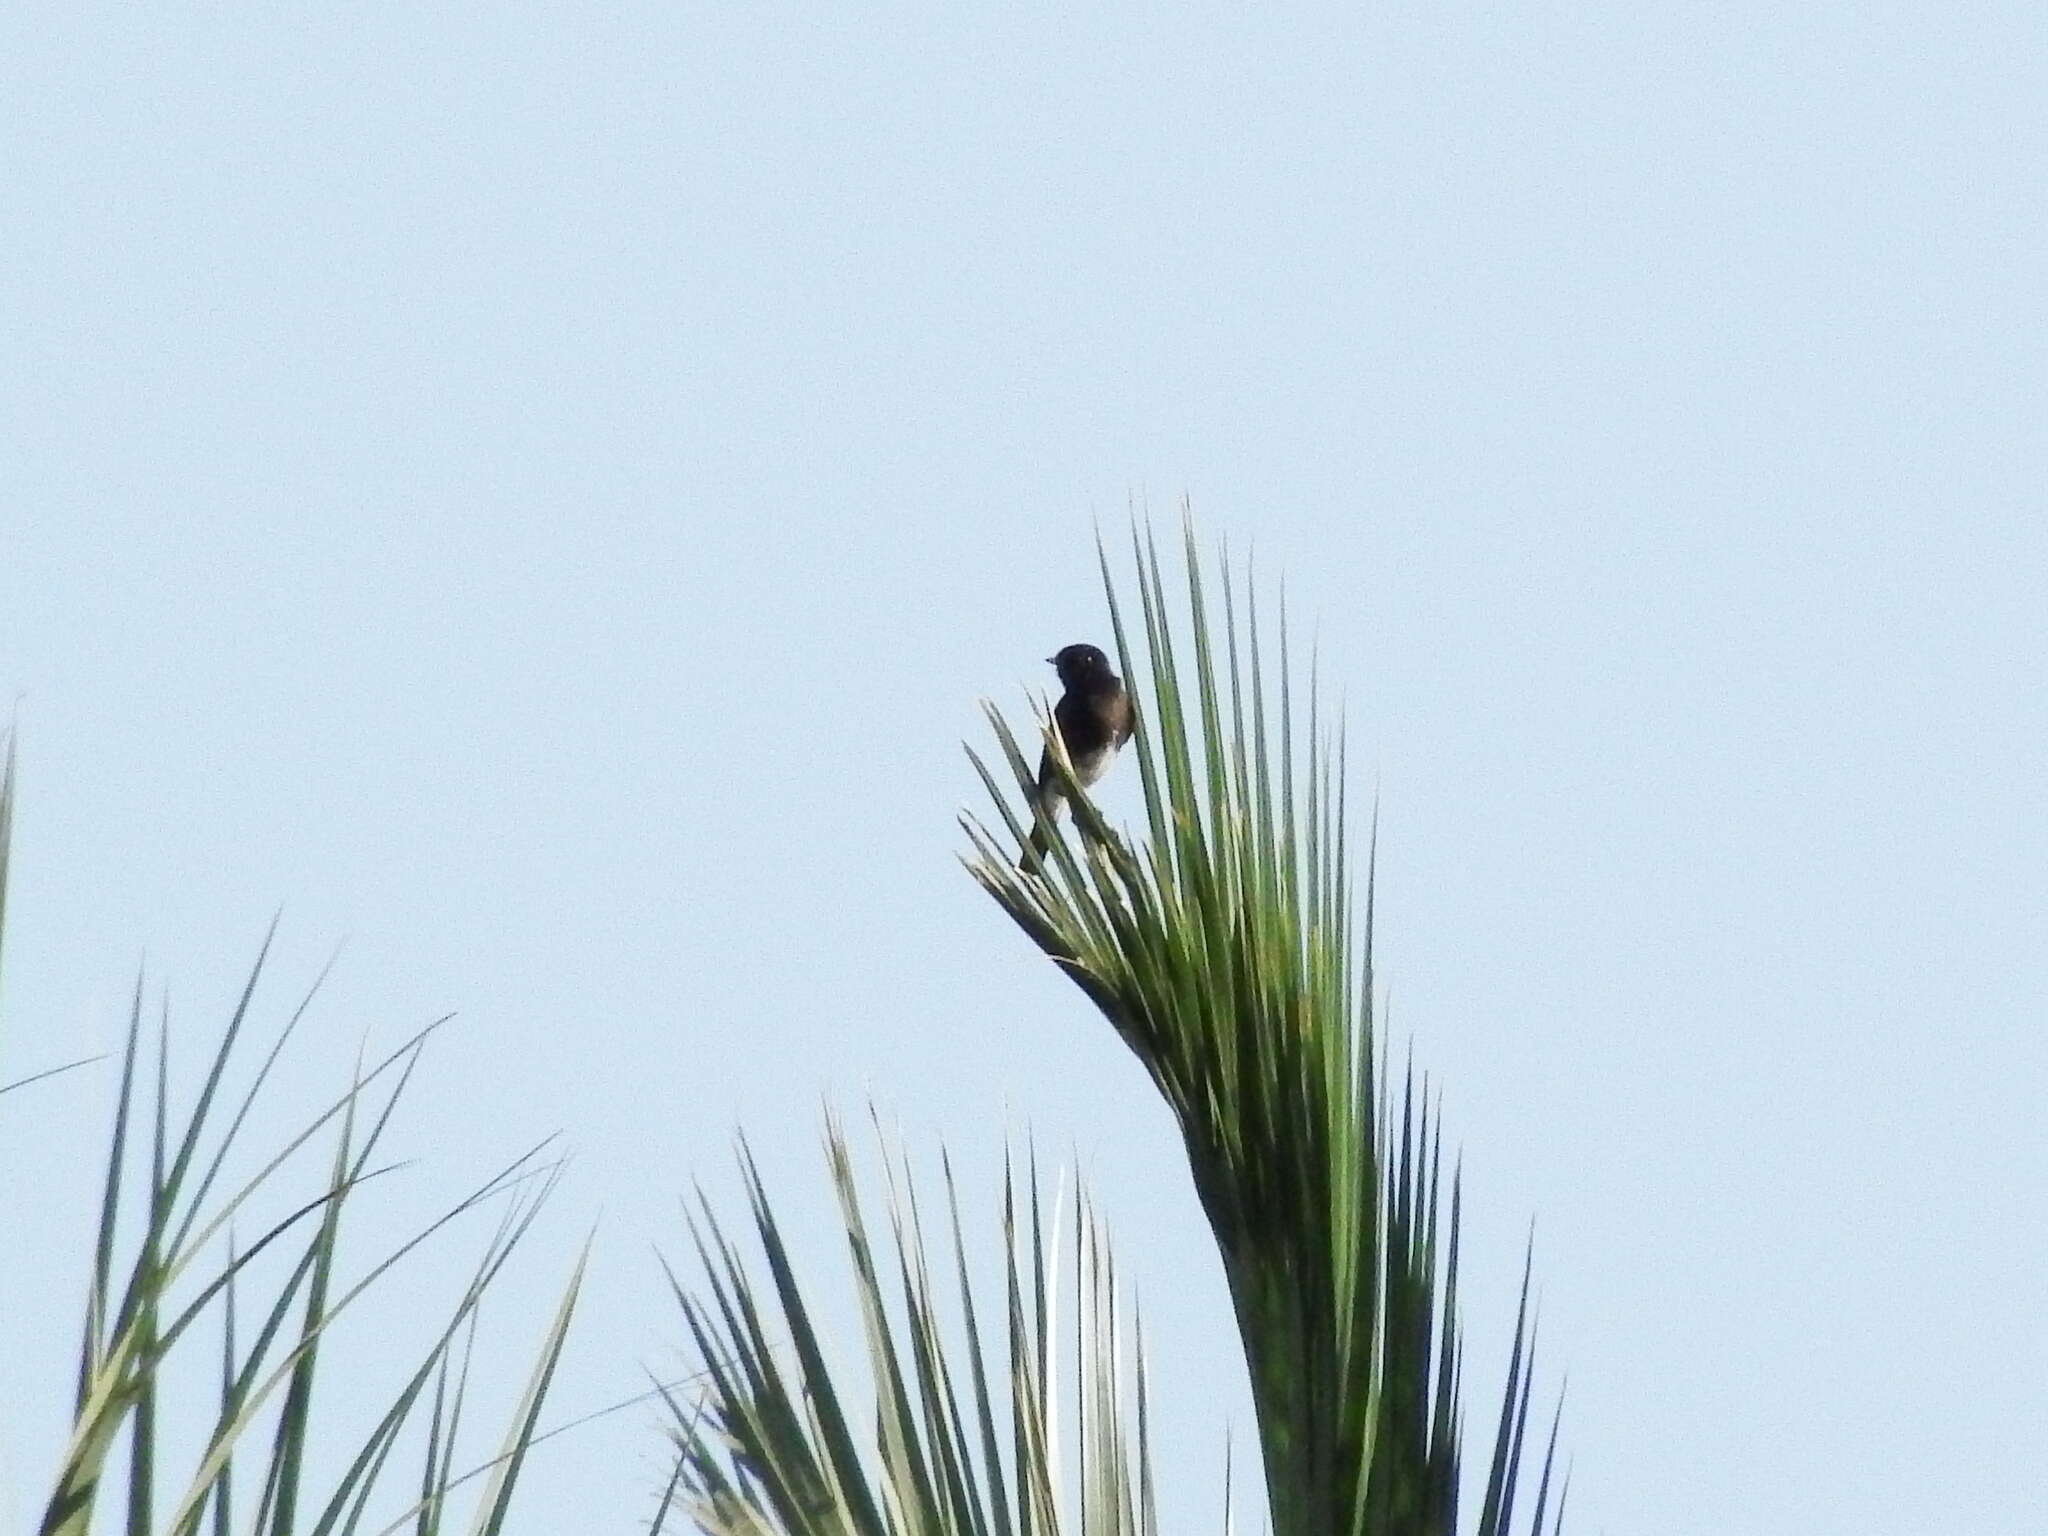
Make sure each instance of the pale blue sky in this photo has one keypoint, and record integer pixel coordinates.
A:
(539, 492)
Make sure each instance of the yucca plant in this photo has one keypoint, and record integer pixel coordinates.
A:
(1226, 950)
(183, 1243)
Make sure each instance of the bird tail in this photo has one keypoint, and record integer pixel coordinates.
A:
(1035, 846)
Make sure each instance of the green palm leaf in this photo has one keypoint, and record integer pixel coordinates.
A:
(141, 1309)
(952, 1433)
(1225, 951)
(155, 1276)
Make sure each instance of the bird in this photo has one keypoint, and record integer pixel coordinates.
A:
(1094, 718)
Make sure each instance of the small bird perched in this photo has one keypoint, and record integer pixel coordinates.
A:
(1094, 718)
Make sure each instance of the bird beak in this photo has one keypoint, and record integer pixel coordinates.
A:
(1052, 661)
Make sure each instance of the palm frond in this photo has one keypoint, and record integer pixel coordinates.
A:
(940, 1429)
(142, 1305)
(1224, 949)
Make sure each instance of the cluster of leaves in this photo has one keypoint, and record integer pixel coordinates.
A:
(1225, 950)
(167, 1259)
(773, 1446)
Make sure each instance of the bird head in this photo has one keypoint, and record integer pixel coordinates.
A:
(1080, 664)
